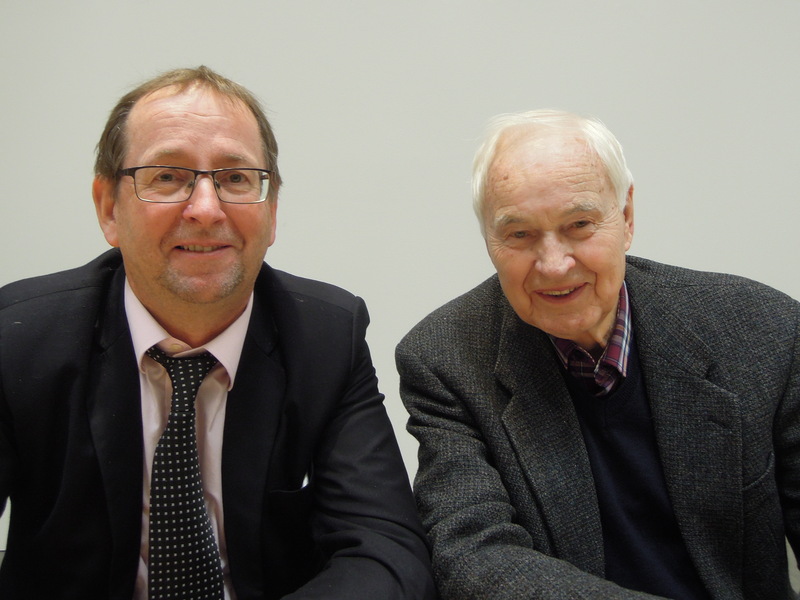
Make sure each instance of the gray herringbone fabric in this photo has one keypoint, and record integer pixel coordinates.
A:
(504, 483)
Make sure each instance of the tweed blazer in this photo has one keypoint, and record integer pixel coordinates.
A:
(505, 487)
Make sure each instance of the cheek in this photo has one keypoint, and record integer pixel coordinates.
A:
(123, 227)
(271, 228)
(513, 271)
(603, 256)
(255, 224)
(143, 233)
(508, 263)
(257, 233)
(609, 270)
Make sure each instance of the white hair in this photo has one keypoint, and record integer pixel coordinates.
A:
(596, 135)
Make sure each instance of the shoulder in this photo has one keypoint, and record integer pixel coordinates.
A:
(288, 294)
(306, 309)
(62, 290)
(309, 318)
(51, 320)
(703, 289)
(470, 320)
(479, 303)
(302, 290)
(722, 309)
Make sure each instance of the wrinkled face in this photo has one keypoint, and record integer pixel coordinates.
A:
(201, 251)
(556, 236)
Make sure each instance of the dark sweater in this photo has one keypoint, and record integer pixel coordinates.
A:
(643, 546)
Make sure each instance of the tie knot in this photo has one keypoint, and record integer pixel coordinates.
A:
(186, 368)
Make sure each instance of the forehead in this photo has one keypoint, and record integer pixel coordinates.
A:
(193, 98)
(194, 119)
(546, 165)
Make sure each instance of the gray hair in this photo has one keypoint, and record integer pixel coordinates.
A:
(596, 135)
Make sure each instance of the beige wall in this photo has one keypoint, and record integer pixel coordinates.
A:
(377, 107)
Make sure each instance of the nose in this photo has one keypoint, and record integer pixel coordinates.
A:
(554, 257)
(204, 206)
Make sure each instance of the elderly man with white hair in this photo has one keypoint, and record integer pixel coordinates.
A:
(592, 424)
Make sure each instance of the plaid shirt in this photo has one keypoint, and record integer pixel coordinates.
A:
(603, 376)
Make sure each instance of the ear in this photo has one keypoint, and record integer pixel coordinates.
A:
(627, 212)
(104, 205)
(273, 220)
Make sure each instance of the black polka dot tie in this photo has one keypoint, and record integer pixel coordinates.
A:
(184, 559)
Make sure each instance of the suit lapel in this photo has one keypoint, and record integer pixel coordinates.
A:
(252, 417)
(115, 419)
(698, 431)
(541, 423)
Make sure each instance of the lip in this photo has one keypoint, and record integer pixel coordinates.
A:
(201, 246)
(560, 294)
(203, 253)
(205, 248)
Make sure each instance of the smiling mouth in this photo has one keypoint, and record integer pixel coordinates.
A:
(558, 293)
(195, 248)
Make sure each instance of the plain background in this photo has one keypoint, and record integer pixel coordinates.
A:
(378, 108)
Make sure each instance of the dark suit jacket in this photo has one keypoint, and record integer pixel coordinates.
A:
(505, 486)
(305, 403)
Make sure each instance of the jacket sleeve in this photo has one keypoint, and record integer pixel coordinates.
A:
(8, 461)
(364, 523)
(787, 444)
(480, 550)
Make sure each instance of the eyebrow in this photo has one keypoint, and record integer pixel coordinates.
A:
(506, 219)
(514, 218)
(582, 206)
(169, 154)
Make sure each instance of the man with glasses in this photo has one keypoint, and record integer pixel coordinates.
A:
(180, 420)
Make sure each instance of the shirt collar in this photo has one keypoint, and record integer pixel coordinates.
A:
(146, 333)
(617, 350)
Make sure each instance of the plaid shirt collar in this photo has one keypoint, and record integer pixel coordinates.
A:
(601, 377)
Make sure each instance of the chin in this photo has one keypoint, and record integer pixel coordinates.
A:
(204, 290)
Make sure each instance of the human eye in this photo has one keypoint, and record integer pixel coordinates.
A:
(236, 178)
(517, 238)
(166, 176)
(161, 180)
(581, 228)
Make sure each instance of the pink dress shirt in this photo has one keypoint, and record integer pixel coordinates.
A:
(156, 392)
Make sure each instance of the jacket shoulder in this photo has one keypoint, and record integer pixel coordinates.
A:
(691, 287)
(727, 312)
(469, 321)
(301, 290)
(94, 275)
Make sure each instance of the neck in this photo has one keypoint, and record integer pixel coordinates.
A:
(196, 324)
(191, 318)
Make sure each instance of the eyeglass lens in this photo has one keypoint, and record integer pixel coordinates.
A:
(175, 184)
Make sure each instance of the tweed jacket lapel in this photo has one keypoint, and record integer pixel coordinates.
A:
(115, 419)
(697, 426)
(543, 429)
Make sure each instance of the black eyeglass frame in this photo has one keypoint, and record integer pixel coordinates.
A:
(130, 172)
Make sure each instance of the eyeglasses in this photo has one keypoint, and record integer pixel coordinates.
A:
(163, 184)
